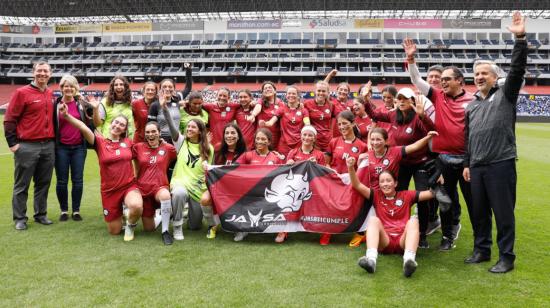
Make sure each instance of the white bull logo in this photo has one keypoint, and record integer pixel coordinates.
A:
(288, 191)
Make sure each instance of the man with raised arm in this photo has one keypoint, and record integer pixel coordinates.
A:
(450, 102)
(490, 163)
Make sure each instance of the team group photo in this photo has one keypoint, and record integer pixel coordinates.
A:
(202, 154)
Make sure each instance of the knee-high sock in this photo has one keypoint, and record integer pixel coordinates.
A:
(208, 214)
(165, 211)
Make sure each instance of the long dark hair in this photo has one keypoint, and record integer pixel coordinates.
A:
(265, 102)
(240, 147)
(268, 134)
(349, 116)
(204, 145)
(126, 96)
(405, 117)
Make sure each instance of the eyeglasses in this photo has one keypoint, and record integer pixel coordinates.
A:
(446, 79)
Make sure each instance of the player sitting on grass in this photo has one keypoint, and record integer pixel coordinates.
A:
(392, 230)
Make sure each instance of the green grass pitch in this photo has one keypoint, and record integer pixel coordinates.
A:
(79, 264)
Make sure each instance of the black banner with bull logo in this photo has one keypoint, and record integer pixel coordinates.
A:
(290, 198)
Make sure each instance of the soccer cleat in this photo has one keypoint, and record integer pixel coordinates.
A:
(456, 231)
(368, 264)
(211, 233)
(433, 226)
(446, 244)
(409, 267)
(357, 239)
(178, 233)
(167, 238)
(239, 236)
(129, 233)
(325, 239)
(281, 237)
(157, 218)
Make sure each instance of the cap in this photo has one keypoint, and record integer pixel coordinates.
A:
(406, 92)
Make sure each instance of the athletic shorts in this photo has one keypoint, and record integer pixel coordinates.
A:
(112, 202)
(150, 204)
(393, 246)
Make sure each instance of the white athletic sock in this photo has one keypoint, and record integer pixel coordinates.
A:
(409, 255)
(372, 253)
(165, 211)
(208, 214)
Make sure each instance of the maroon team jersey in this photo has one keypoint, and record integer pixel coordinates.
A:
(340, 150)
(153, 165)
(321, 117)
(115, 163)
(140, 111)
(266, 114)
(339, 107)
(405, 134)
(390, 161)
(229, 159)
(253, 158)
(298, 155)
(364, 124)
(449, 121)
(218, 117)
(247, 128)
(291, 121)
(394, 212)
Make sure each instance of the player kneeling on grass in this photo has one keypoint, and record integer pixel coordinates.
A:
(392, 230)
(118, 183)
(152, 159)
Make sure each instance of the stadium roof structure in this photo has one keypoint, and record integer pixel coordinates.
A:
(28, 12)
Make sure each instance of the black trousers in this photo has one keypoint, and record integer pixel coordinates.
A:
(452, 175)
(421, 177)
(494, 191)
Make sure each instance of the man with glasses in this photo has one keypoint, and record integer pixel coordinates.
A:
(450, 102)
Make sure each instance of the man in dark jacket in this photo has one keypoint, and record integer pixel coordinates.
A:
(490, 163)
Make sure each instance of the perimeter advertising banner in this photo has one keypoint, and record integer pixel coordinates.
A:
(178, 26)
(471, 23)
(128, 27)
(80, 28)
(368, 23)
(290, 198)
(413, 23)
(254, 24)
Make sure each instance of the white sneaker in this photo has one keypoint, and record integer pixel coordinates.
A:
(239, 236)
(158, 218)
(178, 233)
(129, 233)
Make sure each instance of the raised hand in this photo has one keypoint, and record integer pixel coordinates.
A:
(409, 47)
(518, 24)
(366, 90)
(350, 162)
(333, 73)
(187, 65)
(162, 99)
(93, 101)
(419, 105)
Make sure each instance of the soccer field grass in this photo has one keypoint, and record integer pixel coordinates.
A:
(79, 264)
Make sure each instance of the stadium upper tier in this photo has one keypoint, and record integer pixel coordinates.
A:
(287, 51)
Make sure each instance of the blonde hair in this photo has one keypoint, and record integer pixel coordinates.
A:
(70, 80)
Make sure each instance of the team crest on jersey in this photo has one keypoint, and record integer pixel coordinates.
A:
(105, 212)
(270, 162)
(123, 145)
(386, 162)
(161, 152)
(354, 149)
(408, 130)
(276, 106)
(227, 108)
(327, 111)
(288, 191)
(399, 202)
(299, 113)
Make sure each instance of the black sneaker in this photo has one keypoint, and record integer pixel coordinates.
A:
(456, 231)
(423, 243)
(367, 264)
(433, 226)
(63, 217)
(167, 238)
(76, 216)
(409, 267)
(446, 244)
